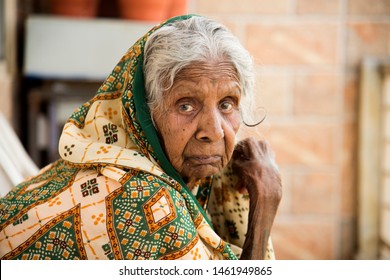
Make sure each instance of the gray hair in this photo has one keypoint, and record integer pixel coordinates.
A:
(198, 39)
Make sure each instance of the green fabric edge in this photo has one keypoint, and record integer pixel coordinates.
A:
(144, 118)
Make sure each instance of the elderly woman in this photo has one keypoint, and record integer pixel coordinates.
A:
(150, 168)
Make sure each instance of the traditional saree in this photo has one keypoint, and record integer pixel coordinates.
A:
(114, 194)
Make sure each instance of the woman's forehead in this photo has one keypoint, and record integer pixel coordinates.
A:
(213, 70)
(217, 85)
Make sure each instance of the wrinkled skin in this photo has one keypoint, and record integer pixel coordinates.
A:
(198, 123)
(199, 120)
(254, 162)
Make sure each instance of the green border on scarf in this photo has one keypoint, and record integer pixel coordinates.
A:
(144, 118)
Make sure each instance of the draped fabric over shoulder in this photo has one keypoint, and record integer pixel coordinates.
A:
(114, 195)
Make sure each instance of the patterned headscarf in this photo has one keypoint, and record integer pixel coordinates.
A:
(115, 127)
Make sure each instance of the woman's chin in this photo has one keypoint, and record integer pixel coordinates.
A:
(200, 172)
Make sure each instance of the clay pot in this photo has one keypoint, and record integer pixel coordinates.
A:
(74, 8)
(151, 10)
(178, 8)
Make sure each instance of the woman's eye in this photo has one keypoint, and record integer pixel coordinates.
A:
(226, 106)
(186, 108)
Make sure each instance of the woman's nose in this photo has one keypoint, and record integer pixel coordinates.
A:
(210, 126)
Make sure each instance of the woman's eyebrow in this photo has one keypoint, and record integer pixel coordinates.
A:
(185, 90)
(234, 89)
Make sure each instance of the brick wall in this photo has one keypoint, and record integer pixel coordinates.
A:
(307, 55)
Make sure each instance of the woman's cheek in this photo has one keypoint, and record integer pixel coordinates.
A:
(233, 123)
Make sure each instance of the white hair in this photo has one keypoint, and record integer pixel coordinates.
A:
(197, 39)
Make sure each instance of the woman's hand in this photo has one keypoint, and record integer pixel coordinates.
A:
(254, 162)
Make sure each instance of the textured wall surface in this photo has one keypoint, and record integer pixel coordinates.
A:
(307, 55)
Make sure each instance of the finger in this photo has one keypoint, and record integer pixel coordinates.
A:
(239, 152)
(245, 149)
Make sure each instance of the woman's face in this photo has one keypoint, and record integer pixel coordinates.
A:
(200, 118)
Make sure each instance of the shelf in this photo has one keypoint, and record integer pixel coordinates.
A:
(70, 58)
(77, 49)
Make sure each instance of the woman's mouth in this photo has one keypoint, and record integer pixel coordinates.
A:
(204, 160)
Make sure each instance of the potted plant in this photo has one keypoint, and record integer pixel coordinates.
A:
(74, 8)
(151, 10)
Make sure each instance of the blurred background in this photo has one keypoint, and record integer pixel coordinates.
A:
(323, 77)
